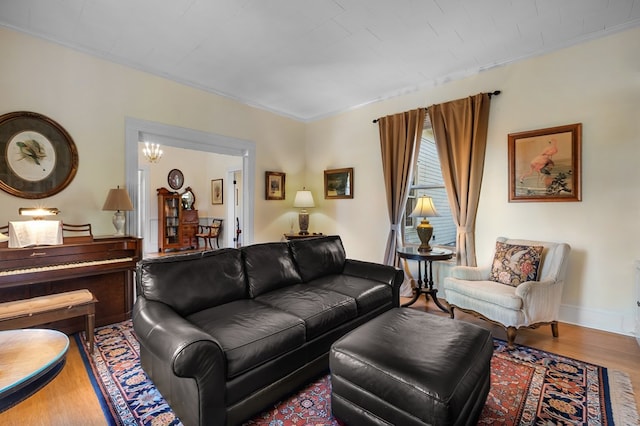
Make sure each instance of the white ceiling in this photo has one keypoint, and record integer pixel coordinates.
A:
(308, 59)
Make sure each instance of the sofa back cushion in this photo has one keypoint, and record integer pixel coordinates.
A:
(192, 282)
(317, 257)
(268, 267)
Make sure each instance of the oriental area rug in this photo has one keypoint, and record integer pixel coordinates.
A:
(528, 387)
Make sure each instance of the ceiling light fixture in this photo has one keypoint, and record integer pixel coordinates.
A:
(152, 152)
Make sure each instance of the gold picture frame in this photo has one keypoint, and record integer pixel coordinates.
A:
(338, 183)
(217, 191)
(38, 158)
(545, 164)
(274, 188)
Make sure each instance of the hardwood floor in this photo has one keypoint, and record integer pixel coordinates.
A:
(69, 400)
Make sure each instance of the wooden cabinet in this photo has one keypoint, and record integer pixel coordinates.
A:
(189, 228)
(177, 226)
(169, 213)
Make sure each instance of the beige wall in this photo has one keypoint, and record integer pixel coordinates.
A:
(596, 83)
(90, 98)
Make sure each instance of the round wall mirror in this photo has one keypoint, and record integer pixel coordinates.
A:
(188, 198)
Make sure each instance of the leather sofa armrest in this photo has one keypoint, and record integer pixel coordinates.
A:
(187, 349)
(378, 272)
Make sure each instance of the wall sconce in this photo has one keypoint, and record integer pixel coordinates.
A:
(424, 208)
(304, 199)
(118, 200)
(152, 152)
(38, 213)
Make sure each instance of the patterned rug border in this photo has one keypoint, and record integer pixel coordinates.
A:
(619, 408)
(93, 378)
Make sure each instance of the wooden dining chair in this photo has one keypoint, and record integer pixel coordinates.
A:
(209, 233)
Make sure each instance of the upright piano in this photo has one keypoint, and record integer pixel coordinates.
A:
(105, 266)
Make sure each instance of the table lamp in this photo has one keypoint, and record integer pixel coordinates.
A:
(118, 200)
(424, 208)
(304, 200)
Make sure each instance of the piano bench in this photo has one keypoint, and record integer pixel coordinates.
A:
(53, 307)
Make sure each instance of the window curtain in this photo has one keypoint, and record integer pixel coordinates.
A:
(460, 130)
(399, 142)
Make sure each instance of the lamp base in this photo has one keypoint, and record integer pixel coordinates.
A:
(303, 221)
(118, 222)
(425, 231)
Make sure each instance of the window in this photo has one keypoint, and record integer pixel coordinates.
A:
(427, 180)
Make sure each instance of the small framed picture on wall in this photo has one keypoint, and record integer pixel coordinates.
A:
(274, 186)
(217, 191)
(338, 183)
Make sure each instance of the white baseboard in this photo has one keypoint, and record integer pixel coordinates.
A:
(614, 322)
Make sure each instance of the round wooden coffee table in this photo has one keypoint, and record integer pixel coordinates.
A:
(29, 359)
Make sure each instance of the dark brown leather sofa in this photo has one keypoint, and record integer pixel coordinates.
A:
(225, 333)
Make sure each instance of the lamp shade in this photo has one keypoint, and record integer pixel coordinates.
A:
(118, 200)
(424, 208)
(303, 199)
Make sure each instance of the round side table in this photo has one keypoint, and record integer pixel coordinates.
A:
(425, 259)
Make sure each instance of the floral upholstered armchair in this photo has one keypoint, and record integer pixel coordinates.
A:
(522, 287)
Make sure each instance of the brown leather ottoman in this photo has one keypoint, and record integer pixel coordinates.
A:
(407, 367)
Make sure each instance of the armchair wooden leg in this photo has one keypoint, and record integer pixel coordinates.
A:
(511, 337)
(451, 311)
(554, 328)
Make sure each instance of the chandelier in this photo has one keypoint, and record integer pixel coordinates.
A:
(152, 152)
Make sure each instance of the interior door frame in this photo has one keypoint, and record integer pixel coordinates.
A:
(136, 130)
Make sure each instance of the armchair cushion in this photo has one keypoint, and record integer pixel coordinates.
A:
(514, 264)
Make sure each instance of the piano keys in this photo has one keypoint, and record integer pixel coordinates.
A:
(104, 266)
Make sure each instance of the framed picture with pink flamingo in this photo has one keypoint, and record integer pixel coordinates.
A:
(545, 164)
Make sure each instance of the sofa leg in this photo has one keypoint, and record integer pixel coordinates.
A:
(511, 337)
(554, 328)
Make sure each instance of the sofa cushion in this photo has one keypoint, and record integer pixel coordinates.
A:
(514, 264)
(321, 309)
(316, 257)
(250, 333)
(269, 266)
(368, 294)
(194, 281)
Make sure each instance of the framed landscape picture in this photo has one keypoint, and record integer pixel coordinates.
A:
(545, 164)
(274, 186)
(338, 183)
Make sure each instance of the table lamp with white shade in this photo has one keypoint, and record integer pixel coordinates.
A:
(303, 200)
(424, 208)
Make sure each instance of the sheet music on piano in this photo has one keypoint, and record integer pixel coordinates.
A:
(35, 233)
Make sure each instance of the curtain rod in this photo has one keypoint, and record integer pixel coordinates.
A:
(494, 93)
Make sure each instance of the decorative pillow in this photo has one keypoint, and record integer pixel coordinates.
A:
(515, 264)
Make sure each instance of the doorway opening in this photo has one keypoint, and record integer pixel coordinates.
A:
(140, 130)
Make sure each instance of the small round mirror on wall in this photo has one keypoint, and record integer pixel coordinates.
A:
(188, 198)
